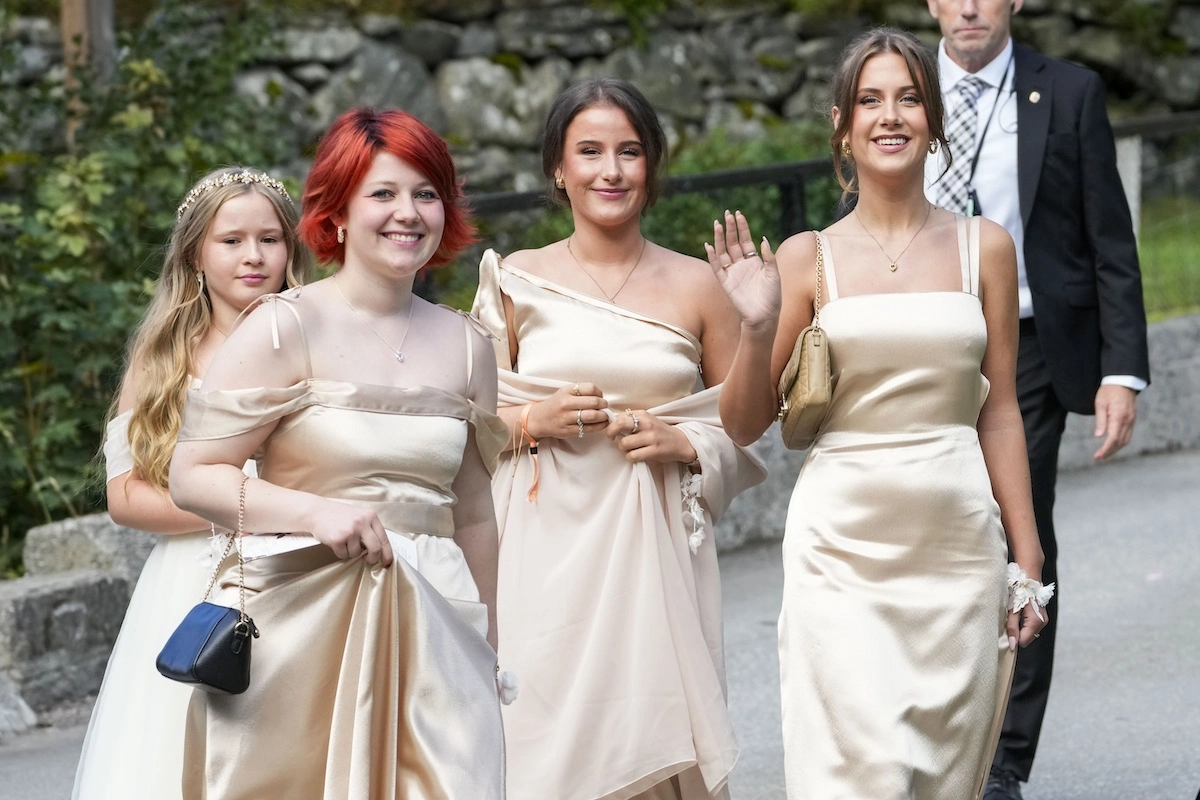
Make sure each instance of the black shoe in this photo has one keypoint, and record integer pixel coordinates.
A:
(1002, 785)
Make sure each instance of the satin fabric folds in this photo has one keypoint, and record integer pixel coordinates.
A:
(894, 676)
(367, 683)
(610, 621)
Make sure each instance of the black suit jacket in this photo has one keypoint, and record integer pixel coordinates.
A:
(1080, 253)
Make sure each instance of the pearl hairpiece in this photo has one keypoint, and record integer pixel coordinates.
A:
(245, 176)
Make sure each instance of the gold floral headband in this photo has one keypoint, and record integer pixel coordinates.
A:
(229, 178)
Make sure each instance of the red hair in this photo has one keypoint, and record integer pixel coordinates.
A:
(343, 159)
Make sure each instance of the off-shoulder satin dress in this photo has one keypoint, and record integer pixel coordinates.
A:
(609, 619)
(367, 682)
(893, 675)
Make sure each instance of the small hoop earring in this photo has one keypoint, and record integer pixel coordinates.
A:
(846, 149)
(341, 234)
(933, 146)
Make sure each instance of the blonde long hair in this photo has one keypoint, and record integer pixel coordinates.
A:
(178, 318)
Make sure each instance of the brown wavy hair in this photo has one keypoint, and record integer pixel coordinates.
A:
(922, 67)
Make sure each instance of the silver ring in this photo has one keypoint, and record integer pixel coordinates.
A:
(575, 391)
(579, 422)
(637, 424)
(751, 254)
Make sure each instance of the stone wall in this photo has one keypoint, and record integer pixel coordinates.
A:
(483, 72)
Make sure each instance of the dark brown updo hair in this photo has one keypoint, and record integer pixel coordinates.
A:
(604, 92)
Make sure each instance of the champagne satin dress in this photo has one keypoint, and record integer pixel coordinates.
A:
(367, 682)
(609, 596)
(894, 675)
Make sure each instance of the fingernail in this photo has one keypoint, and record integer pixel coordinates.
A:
(1012, 644)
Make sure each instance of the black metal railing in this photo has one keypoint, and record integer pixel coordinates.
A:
(791, 177)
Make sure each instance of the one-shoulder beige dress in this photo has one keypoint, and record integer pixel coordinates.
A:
(893, 671)
(609, 598)
(367, 682)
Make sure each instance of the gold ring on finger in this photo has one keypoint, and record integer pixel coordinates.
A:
(579, 422)
(575, 391)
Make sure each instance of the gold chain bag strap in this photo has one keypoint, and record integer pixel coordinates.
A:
(806, 384)
(211, 647)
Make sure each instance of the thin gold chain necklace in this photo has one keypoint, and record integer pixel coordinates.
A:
(612, 298)
(892, 261)
(395, 350)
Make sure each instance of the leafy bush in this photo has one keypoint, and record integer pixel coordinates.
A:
(84, 226)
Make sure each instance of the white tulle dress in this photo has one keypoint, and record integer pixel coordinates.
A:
(134, 743)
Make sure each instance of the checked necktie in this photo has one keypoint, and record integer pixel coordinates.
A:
(962, 117)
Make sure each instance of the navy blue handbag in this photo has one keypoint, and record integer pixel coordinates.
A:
(211, 647)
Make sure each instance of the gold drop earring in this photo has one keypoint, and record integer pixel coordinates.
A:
(341, 235)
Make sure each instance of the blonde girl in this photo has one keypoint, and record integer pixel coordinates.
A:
(233, 241)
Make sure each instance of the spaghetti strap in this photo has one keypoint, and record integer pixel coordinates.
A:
(964, 255)
(974, 248)
(467, 328)
(830, 281)
(287, 299)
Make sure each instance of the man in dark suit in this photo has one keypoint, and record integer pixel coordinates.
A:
(1039, 158)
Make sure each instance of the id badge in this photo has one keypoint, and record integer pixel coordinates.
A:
(973, 209)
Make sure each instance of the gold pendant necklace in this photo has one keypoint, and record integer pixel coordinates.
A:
(612, 298)
(892, 261)
(395, 350)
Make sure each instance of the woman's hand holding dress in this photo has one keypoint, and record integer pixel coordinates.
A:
(351, 532)
(642, 437)
(559, 415)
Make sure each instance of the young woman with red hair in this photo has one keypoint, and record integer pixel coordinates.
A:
(372, 414)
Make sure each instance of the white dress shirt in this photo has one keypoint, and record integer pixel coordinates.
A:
(995, 180)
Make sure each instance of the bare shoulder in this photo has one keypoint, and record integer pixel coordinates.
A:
(686, 270)
(797, 255)
(537, 260)
(265, 321)
(994, 239)
(998, 254)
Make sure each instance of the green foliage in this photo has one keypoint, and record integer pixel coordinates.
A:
(84, 225)
(1169, 242)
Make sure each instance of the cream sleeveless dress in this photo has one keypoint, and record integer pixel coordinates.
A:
(134, 741)
(367, 683)
(609, 597)
(893, 676)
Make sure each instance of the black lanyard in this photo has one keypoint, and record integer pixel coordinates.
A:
(988, 124)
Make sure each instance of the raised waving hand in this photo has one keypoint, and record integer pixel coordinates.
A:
(749, 278)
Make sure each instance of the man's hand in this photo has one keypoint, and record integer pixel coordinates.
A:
(1116, 411)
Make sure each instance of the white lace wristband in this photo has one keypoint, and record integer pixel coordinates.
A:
(692, 511)
(1022, 590)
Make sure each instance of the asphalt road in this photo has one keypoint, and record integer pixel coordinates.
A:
(1124, 715)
